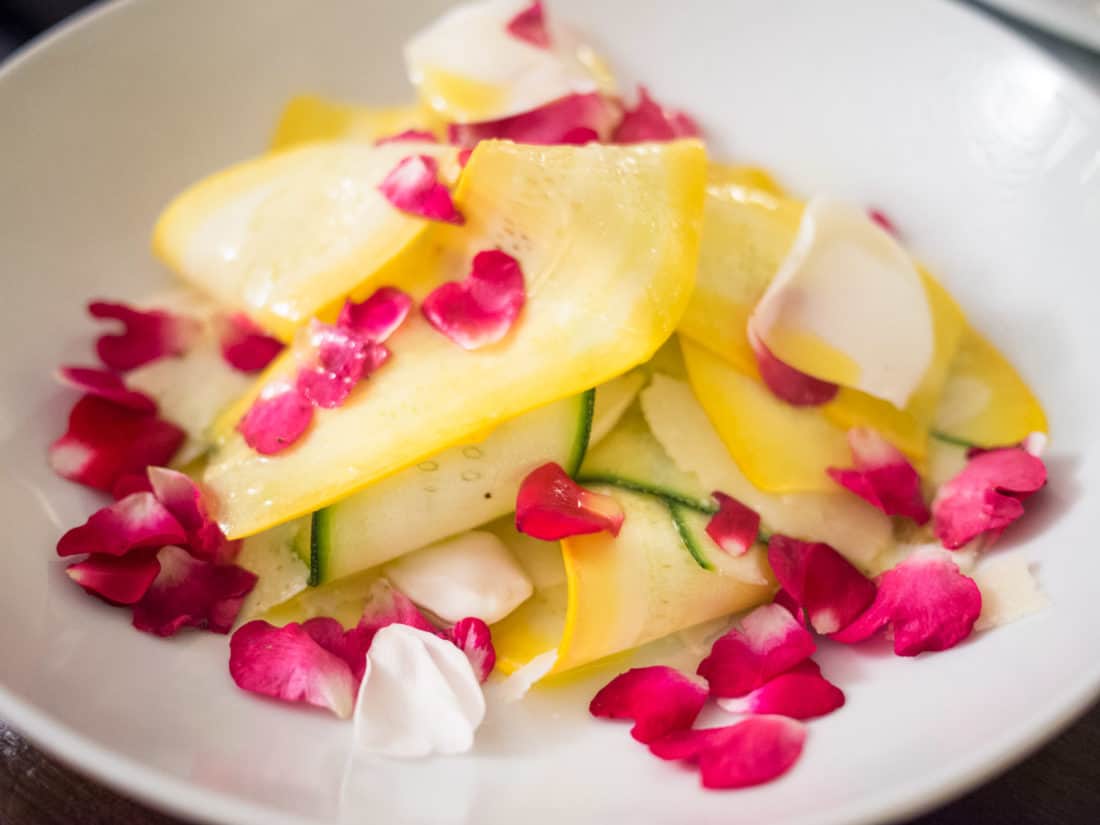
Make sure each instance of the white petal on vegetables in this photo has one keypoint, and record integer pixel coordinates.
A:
(468, 67)
(419, 696)
(471, 574)
(848, 306)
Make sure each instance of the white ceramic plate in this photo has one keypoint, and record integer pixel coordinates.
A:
(1076, 20)
(983, 151)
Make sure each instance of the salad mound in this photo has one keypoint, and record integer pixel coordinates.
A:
(515, 378)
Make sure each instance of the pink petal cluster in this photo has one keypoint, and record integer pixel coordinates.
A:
(800, 693)
(648, 120)
(480, 310)
(245, 346)
(926, 602)
(762, 670)
(413, 187)
(322, 664)
(551, 506)
(106, 441)
(769, 642)
(788, 384)
(529, 25)
(823, 586)
(987, 495)
(160, 551)
(146, 336)
(735, 527)
(883, 477)
(571, 120)
(343, 354)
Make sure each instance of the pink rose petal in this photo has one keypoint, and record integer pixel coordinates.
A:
(734, 527)
(245, 346)
(105, 442)
(385, 606)
(482, 309)
(288, 663)
(147, 336)
(551, 506)
(473, 637)
(882, 477)
(379, 316)
(137, 521)
(791, 605)
(927, 603)
(659, 700)
(530, 26)
(571, 120)
(769, 642)
(987, 495)
(349, 645)
(788, 384)
(413, 187)
(749, 753)
(648, 120)
(106, 385)
(880, 217)
(190, 592)
(800, 693)
(118, 580)
(830, 590)
(344, 358)
(277, 419)
(408, 136)
(131, 483)
(184, 500)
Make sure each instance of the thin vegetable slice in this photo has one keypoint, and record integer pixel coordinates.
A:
(680, 424)
(573, 218)
(309, 118)
(286, 236)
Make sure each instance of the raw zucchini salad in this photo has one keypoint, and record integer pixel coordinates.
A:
(518, 376)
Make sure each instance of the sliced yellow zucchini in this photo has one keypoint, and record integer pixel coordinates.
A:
(285, 235)
(624, 591)
(678, 421)
(455, 490)
(779, 447)
(310, 118)
(986, 402)
(607, 238)
(747, 233)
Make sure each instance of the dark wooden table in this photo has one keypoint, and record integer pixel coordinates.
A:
(1059, 785)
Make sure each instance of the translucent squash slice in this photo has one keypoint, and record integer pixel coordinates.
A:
(748, 177)
(623, 592)
(679, 422)
(747, 233)
(986, 402)
(285, 235)
(309, 118)
(607, 238)
(779, 447)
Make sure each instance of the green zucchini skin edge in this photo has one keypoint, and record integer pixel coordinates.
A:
(319, 520)
(584, 434)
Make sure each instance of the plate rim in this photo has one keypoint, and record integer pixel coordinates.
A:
(1050, 19)
(164, 791)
